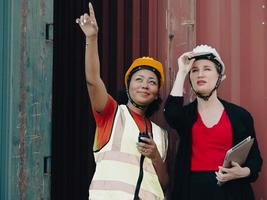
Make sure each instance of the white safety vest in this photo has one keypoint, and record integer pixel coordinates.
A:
(118, 163)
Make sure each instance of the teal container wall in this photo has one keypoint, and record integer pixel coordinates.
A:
(26, 94)
(4, 99)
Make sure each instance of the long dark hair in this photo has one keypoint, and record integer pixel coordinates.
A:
(122, 98)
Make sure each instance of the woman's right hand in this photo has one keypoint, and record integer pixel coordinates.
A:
(88, 23)
(184, 63)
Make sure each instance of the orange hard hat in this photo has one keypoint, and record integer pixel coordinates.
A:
(145, 61)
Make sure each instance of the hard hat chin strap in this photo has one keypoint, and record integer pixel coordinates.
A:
(141, 107)
(206, 98)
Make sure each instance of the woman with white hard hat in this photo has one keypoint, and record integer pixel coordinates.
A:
(129, 149)
(208, 127)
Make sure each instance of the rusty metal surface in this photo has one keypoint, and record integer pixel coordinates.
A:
(173, 31)
(238, 30)
(176, 29)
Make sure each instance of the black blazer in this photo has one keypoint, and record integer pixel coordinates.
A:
(182, 118)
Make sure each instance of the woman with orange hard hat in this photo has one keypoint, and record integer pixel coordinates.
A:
(129, 149)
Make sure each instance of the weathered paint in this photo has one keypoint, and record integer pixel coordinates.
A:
(22, 96)
(238, 30)
(28, 132)
(171, 32)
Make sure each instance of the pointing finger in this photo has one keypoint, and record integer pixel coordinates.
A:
(91, 10)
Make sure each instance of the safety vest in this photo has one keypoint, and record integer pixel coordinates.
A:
(118, 163)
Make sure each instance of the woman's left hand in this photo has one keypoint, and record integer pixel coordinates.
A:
(235, 172)
(148, 148)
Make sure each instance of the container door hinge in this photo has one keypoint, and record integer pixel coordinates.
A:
(47, 165)
(49, 32)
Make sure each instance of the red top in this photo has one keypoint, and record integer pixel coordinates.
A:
(104, 123)
(209, 145)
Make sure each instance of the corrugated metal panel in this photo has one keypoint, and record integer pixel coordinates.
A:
(238, 30)
(28, 131)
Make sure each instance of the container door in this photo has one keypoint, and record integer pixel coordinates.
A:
(26, 85)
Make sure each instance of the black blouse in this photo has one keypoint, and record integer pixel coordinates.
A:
(182, 117)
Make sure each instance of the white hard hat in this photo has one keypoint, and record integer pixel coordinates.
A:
(207, 52)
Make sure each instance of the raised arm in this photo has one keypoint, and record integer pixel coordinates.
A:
(96, 88)
(173, 111)
(184, 65)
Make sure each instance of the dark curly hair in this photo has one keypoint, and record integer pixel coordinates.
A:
(122, 98)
